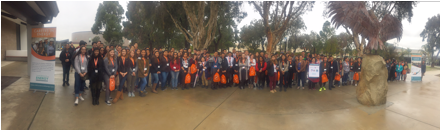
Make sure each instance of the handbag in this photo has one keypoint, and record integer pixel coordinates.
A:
(216, 77)
(86, 77)
(356, 76)
(111, 84)
(236, 79)
(324, 78)
(252, 71)
(187, 79)
(193, 68)
(223, 79)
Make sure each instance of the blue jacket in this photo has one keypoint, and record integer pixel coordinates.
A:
(399, 68)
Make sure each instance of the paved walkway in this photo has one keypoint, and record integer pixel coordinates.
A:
(410, 106)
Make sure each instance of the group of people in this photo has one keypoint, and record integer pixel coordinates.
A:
(128, 70)
(44, 47)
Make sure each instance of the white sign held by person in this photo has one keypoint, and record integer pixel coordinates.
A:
(314, 71)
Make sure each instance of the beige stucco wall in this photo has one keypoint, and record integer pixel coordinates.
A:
(9, 36)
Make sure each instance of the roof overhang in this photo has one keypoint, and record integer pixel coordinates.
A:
(30, 12)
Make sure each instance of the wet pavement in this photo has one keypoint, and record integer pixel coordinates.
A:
(409, 106)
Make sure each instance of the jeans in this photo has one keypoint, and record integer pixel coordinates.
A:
(345, 77)
(155, 79)
(301, 77)
(174, 79)
(79, 85)
(130, 82)
(122, 80)
(66, 74)
(142, 83)
(351, 76)
(398, 75)
(164, 80)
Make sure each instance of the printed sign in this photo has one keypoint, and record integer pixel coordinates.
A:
(314, 71)
(415, 70)
(43, 59)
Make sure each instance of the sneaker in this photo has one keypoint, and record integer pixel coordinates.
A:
(81, 98)
(355, 84)
(76, 101)
(324, 88)
(108, 103)
(321, 89)
(67, 84)
(133, 94)
(141, 93)
(129, 94)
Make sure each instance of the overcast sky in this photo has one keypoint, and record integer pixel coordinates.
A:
(77, 16)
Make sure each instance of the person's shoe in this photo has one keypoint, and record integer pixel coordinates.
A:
(271, 91)
(121, 96)
(86, 88)
(355, 84)
(303, 88)
(97, 102)
(330, 88)
(64, 84)
(76, 102)
(280, 89)
(298, 87)
(141, 93)
(133, 94)
(108, 103)
(81, 98)
(67, 84)
(129, 94)
(320, 89)
(285, 89)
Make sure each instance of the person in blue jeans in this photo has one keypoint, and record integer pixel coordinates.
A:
(143, 72)
(300, 68)
(398, 69)
(164, 68)
(80, 72)
(175, 66)
(155, 70)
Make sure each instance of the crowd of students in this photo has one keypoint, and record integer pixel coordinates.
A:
(128, 70)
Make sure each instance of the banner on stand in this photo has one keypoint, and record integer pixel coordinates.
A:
(43, 59)
(314, 71)
(415, 70)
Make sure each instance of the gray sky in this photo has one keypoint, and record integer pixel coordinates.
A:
(72, 19)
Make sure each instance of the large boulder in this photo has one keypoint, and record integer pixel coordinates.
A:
(372, 89)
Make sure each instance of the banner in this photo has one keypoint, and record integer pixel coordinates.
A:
(314, 71)
(415, 69)
(43, 59)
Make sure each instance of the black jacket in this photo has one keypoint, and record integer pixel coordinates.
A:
(65, 55)
(356, 67)
(291, 67)
(164, 62)
(270, 69)
(333, 68)
(236, 64)
(93, 76)
(123, 68)
(154, 68)
(224, 65)
(323, 67)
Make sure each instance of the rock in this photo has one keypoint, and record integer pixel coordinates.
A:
(372, 88)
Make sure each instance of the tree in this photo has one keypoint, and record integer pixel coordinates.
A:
(230, 14)
(277, 20)
(202, 27)
(96, 39)
(293, 30)
(431, 33)
(364, 22)
(251, 35)
(331, 46)
(108, 17)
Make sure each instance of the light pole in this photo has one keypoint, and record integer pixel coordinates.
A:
(286, 38)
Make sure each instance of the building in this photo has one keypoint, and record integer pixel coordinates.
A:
(18, 19)
(88, 36)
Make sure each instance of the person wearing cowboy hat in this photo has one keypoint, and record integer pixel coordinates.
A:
(50, 48)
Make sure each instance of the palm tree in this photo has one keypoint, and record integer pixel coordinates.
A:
(354, 15)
